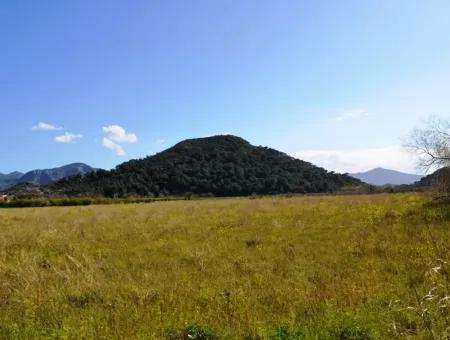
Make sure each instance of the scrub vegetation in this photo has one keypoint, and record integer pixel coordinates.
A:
(343, 267)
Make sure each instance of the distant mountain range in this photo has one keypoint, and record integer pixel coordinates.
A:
(45, 176)
(222, 165)
(380, 176)
(9, 180)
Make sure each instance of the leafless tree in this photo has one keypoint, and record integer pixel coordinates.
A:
(431, 144)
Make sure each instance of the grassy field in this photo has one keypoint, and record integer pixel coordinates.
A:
(348, 267)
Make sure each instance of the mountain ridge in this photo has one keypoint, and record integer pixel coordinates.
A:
(8, 180)
(43, 176)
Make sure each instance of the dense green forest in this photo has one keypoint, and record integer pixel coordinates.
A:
(219, 166)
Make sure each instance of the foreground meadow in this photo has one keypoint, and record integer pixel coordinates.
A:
(349, 267)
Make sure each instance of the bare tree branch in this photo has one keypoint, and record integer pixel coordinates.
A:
(431, 144)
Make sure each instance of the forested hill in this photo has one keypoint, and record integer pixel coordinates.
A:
(219, 165)
(430, 179)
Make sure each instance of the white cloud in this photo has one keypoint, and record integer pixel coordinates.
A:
(356, 160)
(41, 126)
(109, 144)
(118, 134)
(351, 114)
(68, 138)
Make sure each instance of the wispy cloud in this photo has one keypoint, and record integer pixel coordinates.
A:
(68, 138)
(41, 126)
(356, 160)
(115, 135)
(351, 114)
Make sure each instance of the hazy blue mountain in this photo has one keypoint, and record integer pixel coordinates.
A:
(9, 179)
(45, 176)
(380, 176)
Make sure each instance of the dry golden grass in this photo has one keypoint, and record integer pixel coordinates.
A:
(282, 268)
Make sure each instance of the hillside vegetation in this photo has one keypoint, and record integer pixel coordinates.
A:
(219, 166)
(347, 267)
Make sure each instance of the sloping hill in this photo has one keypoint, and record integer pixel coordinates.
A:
(27, 190)
(380, 176)
(9, 180)
(43, 177)
(428, 180)
(219, 165)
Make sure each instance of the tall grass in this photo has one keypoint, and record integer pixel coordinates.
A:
(343, 267)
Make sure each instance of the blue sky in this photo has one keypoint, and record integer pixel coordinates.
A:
(339, 83)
